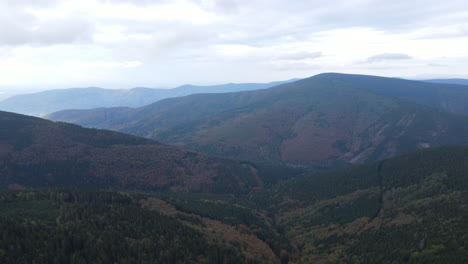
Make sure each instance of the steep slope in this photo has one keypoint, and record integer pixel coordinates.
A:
(40, 153)
(45, 102)
(409, 209)
(325, 119)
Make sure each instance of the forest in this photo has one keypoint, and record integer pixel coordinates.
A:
(389, 211)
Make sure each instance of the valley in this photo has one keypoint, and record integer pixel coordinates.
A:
(329, 169)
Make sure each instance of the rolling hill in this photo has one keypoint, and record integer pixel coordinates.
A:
(37, 153)
(46, 102)
(327, 119)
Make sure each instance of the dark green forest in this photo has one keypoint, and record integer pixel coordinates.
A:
(71, 226)
(409, 209)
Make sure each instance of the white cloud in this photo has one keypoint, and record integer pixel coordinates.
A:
(301, 55)
(99, 65)
(388, 56)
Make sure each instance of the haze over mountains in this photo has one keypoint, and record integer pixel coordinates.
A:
(327, 119)
(49, 101)
(46, 102)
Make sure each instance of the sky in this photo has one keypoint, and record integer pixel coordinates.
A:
(49, 44)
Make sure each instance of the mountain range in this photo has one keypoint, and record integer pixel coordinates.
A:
(49, 101)
(37, 153)
(327, 119)
(86, 195)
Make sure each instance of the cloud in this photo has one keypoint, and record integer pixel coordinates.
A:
(301, 55)
(388, 56)
(295, 66)
(30, 3)
(21, 27)
(47, 33)
(436, 65)
(226, 40)
(442, 32)
(91, 65)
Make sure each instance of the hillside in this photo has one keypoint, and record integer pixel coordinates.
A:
(409, 209)
(327, 119)
(39, 153)
(46, 102)
(76, 226)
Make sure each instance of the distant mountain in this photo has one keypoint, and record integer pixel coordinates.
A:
(326, 120)
(46, 102)
(409, 209)
(449, 81)
(40, 153)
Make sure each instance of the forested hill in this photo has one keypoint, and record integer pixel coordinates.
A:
(40, 153)
(408, 209)
(76, 226)
(327, 119)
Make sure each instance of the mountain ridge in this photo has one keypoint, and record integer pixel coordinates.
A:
(324, 119)
(459, 81)
(39, 153)
(49, 101)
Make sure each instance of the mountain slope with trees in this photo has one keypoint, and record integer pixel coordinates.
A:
(407, 209)
(327, 119)
(39, 153)
(76, 226)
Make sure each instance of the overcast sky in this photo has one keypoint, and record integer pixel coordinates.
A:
(162, 43)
